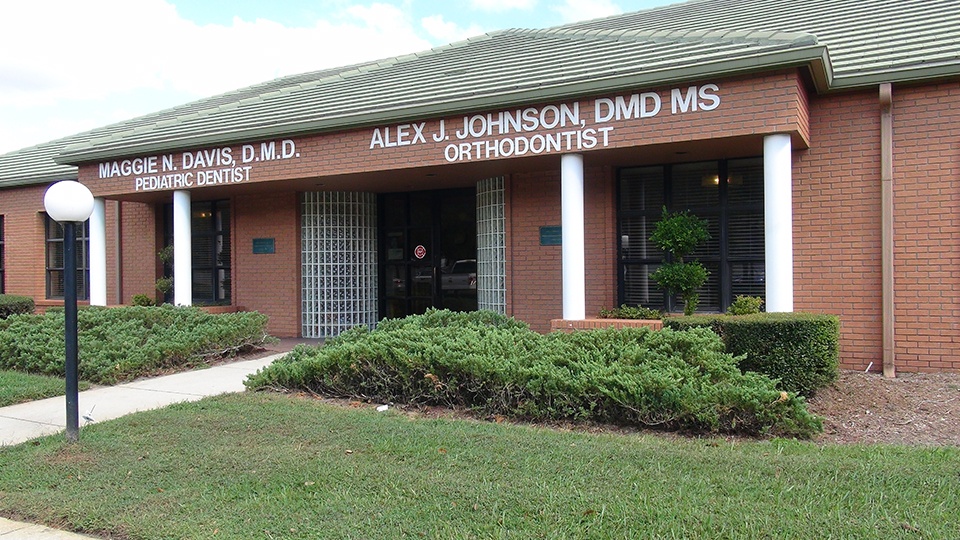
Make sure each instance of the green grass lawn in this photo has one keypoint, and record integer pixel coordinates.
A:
(273, 466)
(17, 387)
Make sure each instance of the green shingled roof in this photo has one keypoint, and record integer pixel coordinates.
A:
(870, 41)
(844, 43)
(502, 69)
(36, 165)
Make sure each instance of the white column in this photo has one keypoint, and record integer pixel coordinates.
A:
(574, 281)
(182, 264)
(98, 253)
(778, 222)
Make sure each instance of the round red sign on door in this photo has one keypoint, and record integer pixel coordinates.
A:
(420, 252)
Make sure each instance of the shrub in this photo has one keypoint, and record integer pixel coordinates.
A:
(164, 284)
(143, 300)
(745, 305)
(630, 312)
(118, 344)
(713, 322)
(678, 234)
(802, 350)
(684, 279)
(497, 366)
(166, 254)
(14, 305)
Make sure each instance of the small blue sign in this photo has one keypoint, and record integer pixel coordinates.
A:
(551, 236)
(264, 245)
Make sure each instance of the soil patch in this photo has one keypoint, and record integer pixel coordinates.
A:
(914, 409)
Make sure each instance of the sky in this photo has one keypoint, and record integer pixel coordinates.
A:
(71, 65)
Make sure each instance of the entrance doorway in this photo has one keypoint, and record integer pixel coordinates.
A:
(428, 251)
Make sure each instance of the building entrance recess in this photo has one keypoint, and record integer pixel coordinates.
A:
(428, 253)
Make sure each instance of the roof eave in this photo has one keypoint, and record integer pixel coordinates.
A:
(21, 181)
(815, 57)
(927, 73)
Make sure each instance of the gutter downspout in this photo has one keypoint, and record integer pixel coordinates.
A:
(886, 209)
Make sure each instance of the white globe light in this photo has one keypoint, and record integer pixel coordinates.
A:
(68, 201)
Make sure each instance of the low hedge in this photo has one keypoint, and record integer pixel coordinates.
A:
(631, 312)
(15, 305)
(495, 365)
(123, 343)
(802, 350)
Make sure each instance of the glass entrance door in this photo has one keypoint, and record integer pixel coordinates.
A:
(428, 254)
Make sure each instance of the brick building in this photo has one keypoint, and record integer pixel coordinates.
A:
(522, 171)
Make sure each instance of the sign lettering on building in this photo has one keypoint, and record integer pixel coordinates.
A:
(539, 130)
(526, 131)
(200, 168)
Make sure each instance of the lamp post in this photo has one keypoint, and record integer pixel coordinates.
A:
(68, 203)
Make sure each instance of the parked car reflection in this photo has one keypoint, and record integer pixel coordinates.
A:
(460, 276)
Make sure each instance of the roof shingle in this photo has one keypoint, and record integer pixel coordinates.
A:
(851, 44)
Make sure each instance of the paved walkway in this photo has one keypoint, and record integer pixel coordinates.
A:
(20, 423)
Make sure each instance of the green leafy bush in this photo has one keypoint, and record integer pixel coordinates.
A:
(630, 312)
(143, 300)
(684, 279)
(166, 254)
(497, 366)
(118, 344)
(14, 305)
(802, 350)
(745, 305)
(164, 284)
(713, 322)
(678, 234)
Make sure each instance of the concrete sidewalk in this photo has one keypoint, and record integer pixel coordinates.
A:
(14, 530)
(20, 423)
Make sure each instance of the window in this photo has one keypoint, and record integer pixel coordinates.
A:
(2, 290)
(728, 195)
(210, 251)
(54, 259)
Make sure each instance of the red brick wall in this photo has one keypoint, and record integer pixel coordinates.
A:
(111, 214)
(600, 224)
(535, 280)
(268, 283)
(926, 127)
(138, 251)
(837, 245)
(836, 227)
(25, 258)
(22, 210)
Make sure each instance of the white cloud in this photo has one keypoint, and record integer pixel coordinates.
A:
(446, 31)
(80, 58)
(498, 6)
(581, 10)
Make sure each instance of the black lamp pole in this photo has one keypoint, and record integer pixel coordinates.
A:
(68, 203)
(70, 328)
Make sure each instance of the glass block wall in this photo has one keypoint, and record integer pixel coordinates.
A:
(491, 246)
(339, 237)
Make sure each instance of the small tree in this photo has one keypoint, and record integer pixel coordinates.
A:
(164, 283)
(678, 234)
